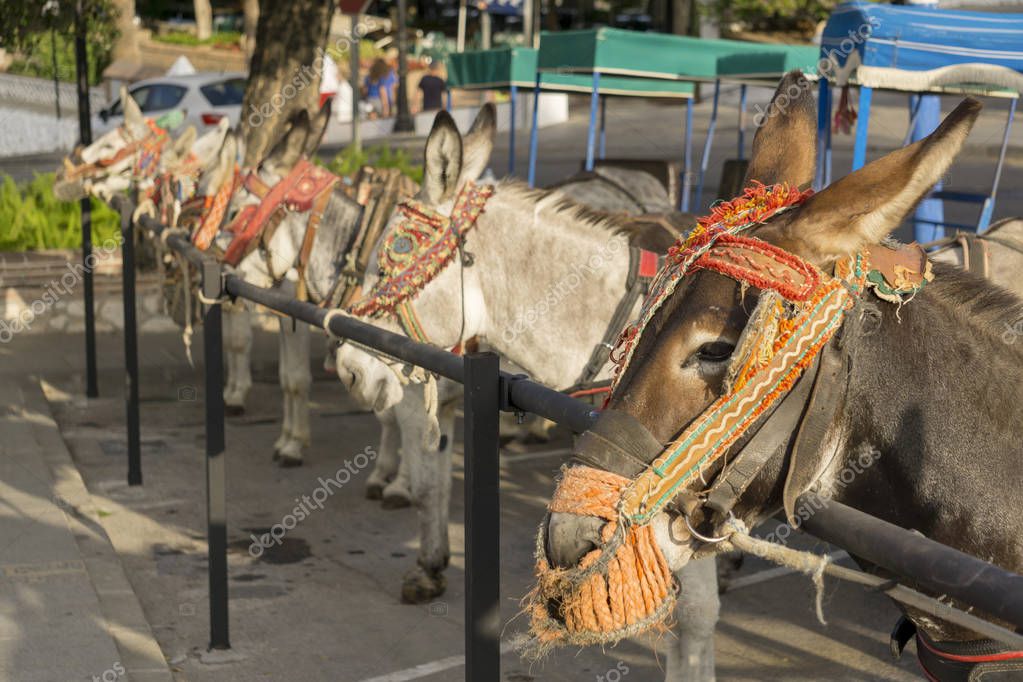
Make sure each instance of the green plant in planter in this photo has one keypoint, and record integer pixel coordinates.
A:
(32, 219)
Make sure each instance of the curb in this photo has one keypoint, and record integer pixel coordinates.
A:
(126, 623)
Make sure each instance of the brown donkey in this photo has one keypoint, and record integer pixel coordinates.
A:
(917, 376)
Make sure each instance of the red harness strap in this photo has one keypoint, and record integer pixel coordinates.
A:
(295, 192)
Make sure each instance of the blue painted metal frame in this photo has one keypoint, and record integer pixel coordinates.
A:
(823, 177)
(687, 158)
(742, 122)
(705, 159)
(602, 153)
(534, 133)
(862, 126)
(513, 94)
(591, 135)
(988, 208)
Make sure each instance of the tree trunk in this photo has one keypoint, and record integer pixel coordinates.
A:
(685, 18)
(284, 74)
(250, 10)
(203, 19)
(126, 48)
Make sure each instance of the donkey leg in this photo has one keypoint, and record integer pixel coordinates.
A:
(238, 348)
(296, 381)
(691, 656)
(398, 493)
(386, 464)
(282, 379)
(419, 436)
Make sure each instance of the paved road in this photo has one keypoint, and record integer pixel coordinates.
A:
(326, 606)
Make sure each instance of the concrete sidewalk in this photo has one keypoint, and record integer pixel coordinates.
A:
(67, 610)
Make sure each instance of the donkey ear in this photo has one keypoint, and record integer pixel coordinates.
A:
(221, 167)
(443, 162)
(286, 153)
(317, 129)
(785, 146)
(183, 145)
(478, 144)
(863, 207)
(133, 119)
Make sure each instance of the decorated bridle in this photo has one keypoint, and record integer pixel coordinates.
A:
(418, 248)
(800, 310)
(146, 149)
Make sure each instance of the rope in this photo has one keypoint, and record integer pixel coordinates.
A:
(331, 314)
(807, 563)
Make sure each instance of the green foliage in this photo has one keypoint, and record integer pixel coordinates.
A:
(348, 161)
(38, 58)
(25, 29)
(31, 218)
(368, 51)
(775, 14)
(220, 39)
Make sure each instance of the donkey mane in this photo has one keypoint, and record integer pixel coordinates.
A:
(613, 223)
(977, 301)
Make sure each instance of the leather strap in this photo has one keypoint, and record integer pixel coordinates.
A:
(643, 267)
(619, 443)
(828, 391)
(311, 228)
(775, 431)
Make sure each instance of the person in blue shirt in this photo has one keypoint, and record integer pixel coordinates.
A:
(380, 82)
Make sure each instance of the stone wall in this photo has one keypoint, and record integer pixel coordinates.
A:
(41, 292)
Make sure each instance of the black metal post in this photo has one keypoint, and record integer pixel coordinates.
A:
(403, 122)
(482, 518)
(85, 137)
(216, 475)
(131, 347)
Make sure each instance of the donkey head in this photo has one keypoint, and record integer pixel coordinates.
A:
(105, 175)
(680, 364)
(450, 161)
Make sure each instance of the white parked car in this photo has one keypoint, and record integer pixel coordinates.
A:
(204, 98)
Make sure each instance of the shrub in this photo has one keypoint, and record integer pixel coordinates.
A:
(31, 218)
(221, 39)
(348, 161)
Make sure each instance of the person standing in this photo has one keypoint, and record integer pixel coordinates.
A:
(380, 87)
(432, 88)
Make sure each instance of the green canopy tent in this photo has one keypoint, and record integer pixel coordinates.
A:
(600, 54)
(509, 68)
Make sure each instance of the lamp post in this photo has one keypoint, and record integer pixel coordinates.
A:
(403, 122)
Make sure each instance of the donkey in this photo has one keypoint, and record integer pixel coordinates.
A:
(556, 253)
(920, 384)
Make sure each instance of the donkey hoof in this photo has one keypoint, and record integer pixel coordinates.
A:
(234, 410)
(421, 586)
(393, 501)
(287, 461)
(374, 491)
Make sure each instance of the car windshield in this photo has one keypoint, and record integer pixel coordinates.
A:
(225, 93)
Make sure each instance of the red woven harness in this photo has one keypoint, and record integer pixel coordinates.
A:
(297, 192)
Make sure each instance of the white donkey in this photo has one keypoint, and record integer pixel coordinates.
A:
(540, 280)
(296, 255)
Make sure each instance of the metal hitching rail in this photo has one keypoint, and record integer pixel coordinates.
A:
(488, 391)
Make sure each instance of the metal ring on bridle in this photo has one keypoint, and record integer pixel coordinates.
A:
(700, 536)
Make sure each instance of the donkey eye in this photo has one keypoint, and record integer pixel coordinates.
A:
(718, 351)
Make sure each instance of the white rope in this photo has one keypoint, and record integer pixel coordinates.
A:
(808, 563)
(331, 314)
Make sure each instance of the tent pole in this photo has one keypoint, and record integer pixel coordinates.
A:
(591, 136)
(705, 159)
(533, 133)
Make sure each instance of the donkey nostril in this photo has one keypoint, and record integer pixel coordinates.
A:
(571, 537)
